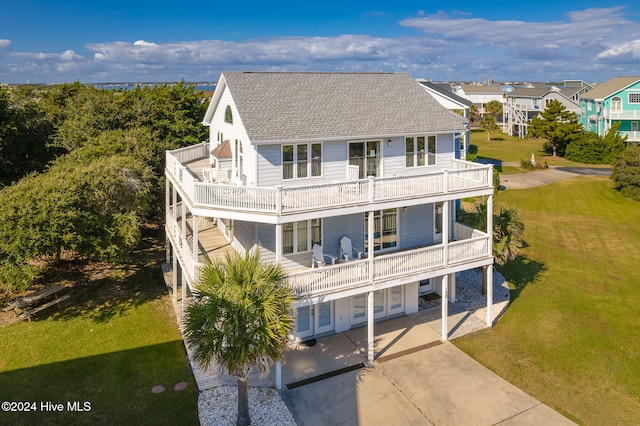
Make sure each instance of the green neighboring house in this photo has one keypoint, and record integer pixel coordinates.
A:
(617, 100)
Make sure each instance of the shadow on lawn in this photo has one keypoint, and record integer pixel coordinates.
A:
(101, 291)
(519, 273)
(117, 386)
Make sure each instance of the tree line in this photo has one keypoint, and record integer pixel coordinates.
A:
(82, 170)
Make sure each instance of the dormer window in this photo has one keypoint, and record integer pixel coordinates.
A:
(228, 115)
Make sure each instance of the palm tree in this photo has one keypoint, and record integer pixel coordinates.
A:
(508, 233)
(240, 318)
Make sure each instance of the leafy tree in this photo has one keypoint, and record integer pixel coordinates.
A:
(558, 125)
(488, 122)
(240, 318)
(473, 113)
(626, 172)
(593, 149)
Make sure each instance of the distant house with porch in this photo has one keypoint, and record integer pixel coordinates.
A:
(480, 94)
(445, 97)
(617, 100)
(349, 180)
(523, 104)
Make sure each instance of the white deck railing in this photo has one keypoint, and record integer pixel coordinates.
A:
(625, 114)
(404, 263)
(465, 176)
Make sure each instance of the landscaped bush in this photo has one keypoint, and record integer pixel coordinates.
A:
(593, 149)
(626, 172)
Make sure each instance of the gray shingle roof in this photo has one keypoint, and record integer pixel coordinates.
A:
(284, 106)
(610, 87)
(522, 92)
(445, 90)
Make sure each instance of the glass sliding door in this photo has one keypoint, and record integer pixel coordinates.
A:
(385, 229)
(365, 155)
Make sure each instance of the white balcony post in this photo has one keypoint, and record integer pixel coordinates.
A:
(445, 231)
(490, 223)
(278, 200)
(489, 295)
(370, 247)
(278, 375)
(174, 275)
(445, 181)
(370, 327)
(445, 306)
(196, 221)
(372, 189)
(278, 242)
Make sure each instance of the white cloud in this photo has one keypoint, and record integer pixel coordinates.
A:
(592, 44)
(4, 42)
(631, 48)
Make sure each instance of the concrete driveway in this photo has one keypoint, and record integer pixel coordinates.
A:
(416, 380)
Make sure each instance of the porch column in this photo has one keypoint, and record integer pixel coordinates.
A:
(167, 212)
(452, 287)
(370, 327)
(489, 294)
(446, 221)
(196, 249)
(278, 259)
(278, 242)
(174, 274)
(490, 219)
(445, 306)
(370, 247)
(184, 300)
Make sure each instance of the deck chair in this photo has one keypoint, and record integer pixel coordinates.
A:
(346, 249)
(320, 258)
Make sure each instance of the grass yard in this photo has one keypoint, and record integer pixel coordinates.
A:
(115, 340)
(512, 149)
(571, 337)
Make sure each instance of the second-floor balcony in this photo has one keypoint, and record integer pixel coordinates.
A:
(184, 167)
(467, 246)
(621, 114)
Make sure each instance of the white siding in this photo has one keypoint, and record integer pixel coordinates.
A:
(267, 241)
(416, 226)
(334, 228)
(243, 235)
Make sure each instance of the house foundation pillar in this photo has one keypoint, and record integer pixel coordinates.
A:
(445, 306)
(489, 294)
(370, 327)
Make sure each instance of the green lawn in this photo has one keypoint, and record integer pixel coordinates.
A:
(114, 342)
(511, 149)
(571, 336)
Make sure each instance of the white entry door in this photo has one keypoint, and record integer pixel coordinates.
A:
(395, 299)
(323, 313)
(379, 308)
(304, 322)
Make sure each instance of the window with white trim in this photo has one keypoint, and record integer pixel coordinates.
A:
(385, 229)
(420, 151)
(634, 98)
(616, 104)
(300, 236)
(301, 160)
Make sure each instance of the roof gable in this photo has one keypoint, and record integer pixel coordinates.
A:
(610, 87)
(447, 93)
(280, 106)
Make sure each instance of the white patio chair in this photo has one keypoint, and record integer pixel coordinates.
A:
(320, 258)
(346, 249)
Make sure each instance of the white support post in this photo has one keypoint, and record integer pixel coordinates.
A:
(445, 306)
(489, 295)
(370, 245)
(490, 222)
(278, 375)
(452, 288)
(167, 207)
(184, 299)
(196, 250)
(446, 220)
(278, 242)
(278, 259)
(174, 274)
(370, 327)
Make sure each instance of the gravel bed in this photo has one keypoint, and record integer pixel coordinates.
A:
(219, 407)
(470, 298)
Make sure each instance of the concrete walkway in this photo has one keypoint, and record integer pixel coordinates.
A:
(416, 380)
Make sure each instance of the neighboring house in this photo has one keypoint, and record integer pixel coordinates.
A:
(524, 104)
(316, 157)
(453, 102)
(617, 100)
(573, 89)
(480, 95)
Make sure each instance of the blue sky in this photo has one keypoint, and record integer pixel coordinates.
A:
(139, 41)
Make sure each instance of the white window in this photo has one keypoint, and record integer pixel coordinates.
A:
(420, 151)
(616, 104)
(634, 98)
(301, 236)
(300, 161)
